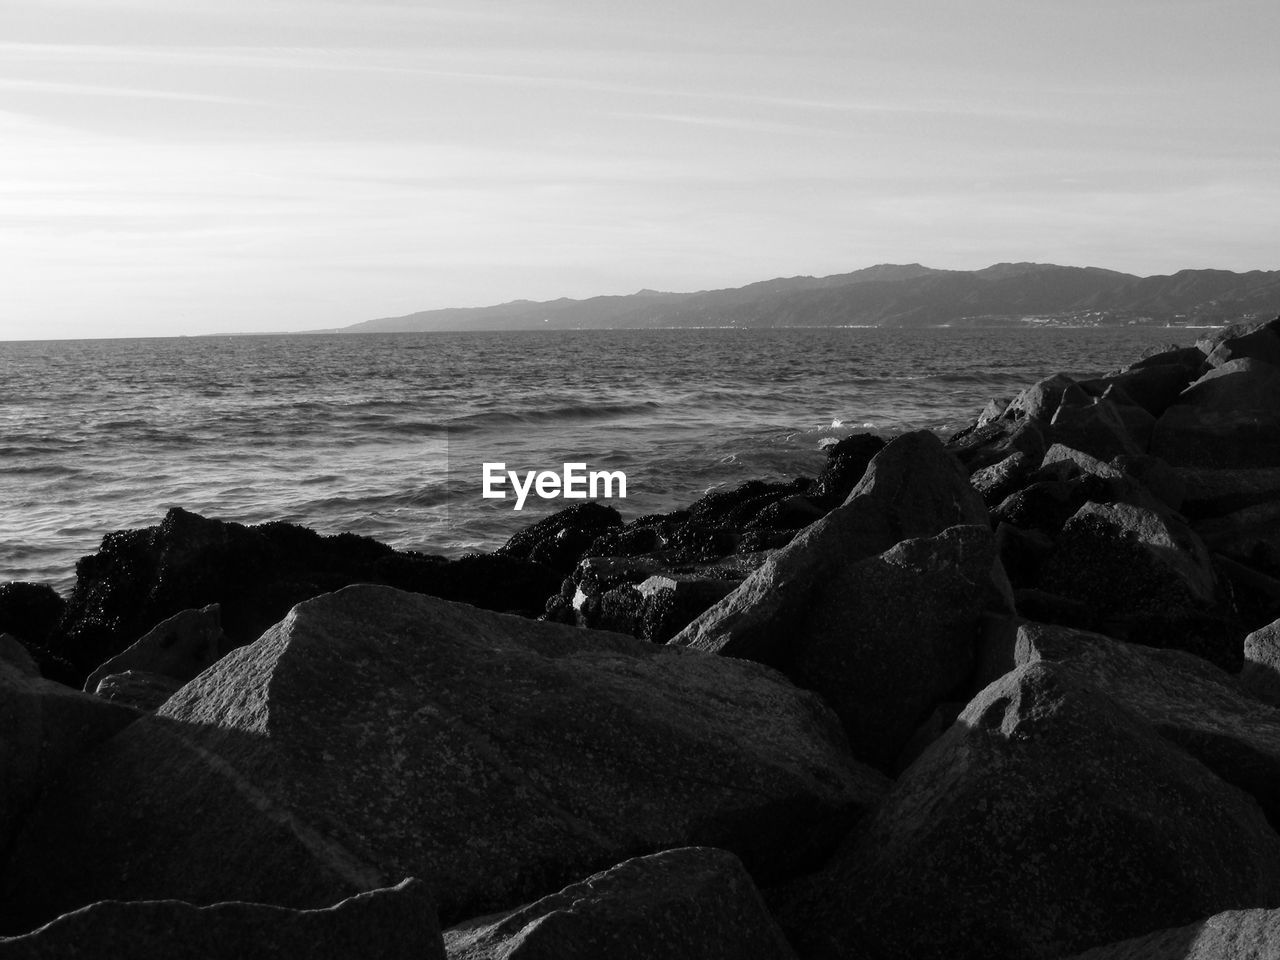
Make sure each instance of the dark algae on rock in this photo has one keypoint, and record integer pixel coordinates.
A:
(1012, 694)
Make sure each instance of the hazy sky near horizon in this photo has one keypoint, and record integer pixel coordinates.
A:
(171, 167)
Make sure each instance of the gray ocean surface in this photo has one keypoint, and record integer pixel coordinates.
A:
(383, 435)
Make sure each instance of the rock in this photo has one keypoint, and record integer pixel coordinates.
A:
(1186, 700)
(1234, 331)
(889, 638)
(1250, 535)
(1147, 577)
(670, 602)
(1262, 344)
(1230, 935)
(993, 409)
(597, 596)
(1096, 428)
(695, 903)
(43, 725)
(913, 488)
(375, 734)
(1153, 387)
(1190, 359)
(29, 612)
(1040, 400)
(140, 577)
(1000, 480)
(560, 540)
(1261, 673)
(1212, 493)
(1021, 553)
(14, 654)
(1255, 597)
(983, 446)
(1047, 819)
(397, 923)
(138, 689)
(1045, 506)
(847, 461)
(1157, 477)
(181, 648)
(1229, 418)
(789, 513)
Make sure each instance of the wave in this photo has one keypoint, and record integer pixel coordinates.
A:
(569, 412)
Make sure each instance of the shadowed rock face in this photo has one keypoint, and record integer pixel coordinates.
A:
(695, 903)
(1048, 819)
(1232, 935)
(398, 923)
(913, 488)
(374, 734)
(1226, 419)
(43, 725)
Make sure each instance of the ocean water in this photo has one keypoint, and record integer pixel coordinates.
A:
(384, 435)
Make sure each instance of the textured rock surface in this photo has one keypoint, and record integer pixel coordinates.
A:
(1147, 577)
(43, 725)
(1048, 819)
(138, 689)
(180, 647)
(1261, 673)
(1230, 417)
(695, 903)
(1186, 700)
(913, 488)
(888, 638)
(396, 923)
(375, 734)
(1232, 935)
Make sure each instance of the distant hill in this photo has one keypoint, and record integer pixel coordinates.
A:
(892, 295)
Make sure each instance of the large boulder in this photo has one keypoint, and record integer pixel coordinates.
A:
(1229, 418)
(913, 488)
(1096, 428)
(695, 903)
(1261, 343)
(1231, 935)
(1047, 819)
(1148, 578)
(1189, 702)
(397, 923)
(180, 648)
(1153, 387)
(140, 577)
(375, 734)
(43, 725)
(1261, 672)
(887, 639)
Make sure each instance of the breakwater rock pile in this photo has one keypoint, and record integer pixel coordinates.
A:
(1012, 694)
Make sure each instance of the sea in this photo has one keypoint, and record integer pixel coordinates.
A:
(386, 435)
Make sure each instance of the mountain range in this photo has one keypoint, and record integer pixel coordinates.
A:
(892, 295)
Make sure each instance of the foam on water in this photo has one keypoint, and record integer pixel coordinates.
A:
(358, 433)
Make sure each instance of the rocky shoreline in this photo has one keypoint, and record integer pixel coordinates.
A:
(1013, 693)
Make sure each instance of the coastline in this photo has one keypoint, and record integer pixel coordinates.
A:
(946, 685)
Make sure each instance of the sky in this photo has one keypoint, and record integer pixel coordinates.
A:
(170, 167)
